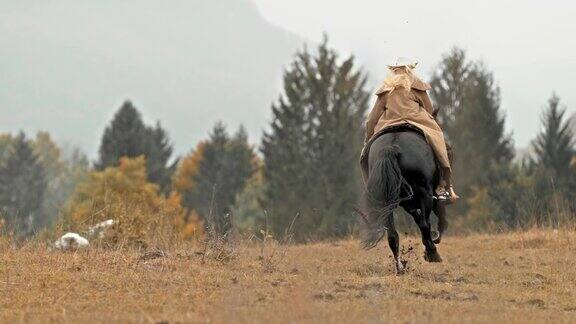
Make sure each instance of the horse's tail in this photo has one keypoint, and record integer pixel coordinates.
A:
(383, 190)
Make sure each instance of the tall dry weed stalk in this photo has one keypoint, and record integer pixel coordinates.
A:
(273, 251)
(219, 245)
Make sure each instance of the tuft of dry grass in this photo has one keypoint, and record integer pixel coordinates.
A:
(514, 277)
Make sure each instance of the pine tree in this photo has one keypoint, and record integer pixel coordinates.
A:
(312, 149)
(22, 187)
(448, 88)
(209, 197)
(222, 167)
(469, 103)
(128, 136)
(241, 163)
(554, 145)
(5, 140)
(481, 125)
(124, 137)
(158, 154)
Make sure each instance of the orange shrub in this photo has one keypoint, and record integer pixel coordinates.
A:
(142, 215)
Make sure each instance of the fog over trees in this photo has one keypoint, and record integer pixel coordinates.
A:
(201, 60)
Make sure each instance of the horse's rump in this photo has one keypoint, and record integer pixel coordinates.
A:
(393, 129)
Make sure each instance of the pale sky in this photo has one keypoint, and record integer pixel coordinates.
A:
(529, 45)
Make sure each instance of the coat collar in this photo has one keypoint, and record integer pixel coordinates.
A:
(417, 84)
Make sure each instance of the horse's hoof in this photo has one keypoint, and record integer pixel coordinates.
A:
(436, 237)
(432, 256)
(401, 267)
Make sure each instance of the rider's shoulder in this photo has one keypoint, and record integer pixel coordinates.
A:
(416, 85)
(420, 85)
(383, 89)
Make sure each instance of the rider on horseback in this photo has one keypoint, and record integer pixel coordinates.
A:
(403, 101)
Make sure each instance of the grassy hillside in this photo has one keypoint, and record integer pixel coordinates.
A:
(517, 278)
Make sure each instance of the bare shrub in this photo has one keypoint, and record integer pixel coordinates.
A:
(218, 246)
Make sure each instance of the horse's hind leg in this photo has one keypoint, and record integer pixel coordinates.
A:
(440, 212)
(394, 242)
(422, 217)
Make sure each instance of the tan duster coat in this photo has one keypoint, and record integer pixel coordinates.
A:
(399, 106)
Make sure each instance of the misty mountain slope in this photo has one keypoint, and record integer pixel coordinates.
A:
(67, 65)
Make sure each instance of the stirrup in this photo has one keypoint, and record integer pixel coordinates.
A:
(444, 197)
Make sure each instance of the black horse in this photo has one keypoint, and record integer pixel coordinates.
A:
(402, 172)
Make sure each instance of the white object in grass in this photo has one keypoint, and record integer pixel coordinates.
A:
(71, 241)
(100, 228)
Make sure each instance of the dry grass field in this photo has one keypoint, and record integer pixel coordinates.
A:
(514, 278)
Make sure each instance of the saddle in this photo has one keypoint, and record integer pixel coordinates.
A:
(403, 127)
(412, 128)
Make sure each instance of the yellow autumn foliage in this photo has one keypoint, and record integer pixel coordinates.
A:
(142, 215)
(184, 181)
(188, 169)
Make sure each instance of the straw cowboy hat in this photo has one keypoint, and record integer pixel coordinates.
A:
(402, 61)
